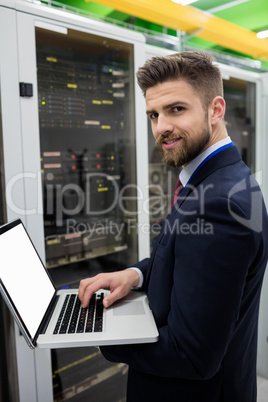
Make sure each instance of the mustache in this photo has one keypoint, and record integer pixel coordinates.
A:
(164, 137)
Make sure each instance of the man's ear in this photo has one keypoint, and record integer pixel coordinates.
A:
(217, 109)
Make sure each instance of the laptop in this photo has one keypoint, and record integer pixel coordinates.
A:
(41, 311)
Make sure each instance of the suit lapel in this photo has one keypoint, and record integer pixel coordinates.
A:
(224, 158)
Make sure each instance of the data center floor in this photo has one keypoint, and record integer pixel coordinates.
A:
(262, 389)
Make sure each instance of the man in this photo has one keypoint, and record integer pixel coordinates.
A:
(205, 273)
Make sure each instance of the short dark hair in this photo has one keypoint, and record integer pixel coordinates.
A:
(196, 68)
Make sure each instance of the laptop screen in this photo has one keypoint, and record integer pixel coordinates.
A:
(24, 277)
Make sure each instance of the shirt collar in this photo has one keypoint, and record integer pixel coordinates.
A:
(187, 172)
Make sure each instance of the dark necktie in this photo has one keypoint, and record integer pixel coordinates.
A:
(177, 191)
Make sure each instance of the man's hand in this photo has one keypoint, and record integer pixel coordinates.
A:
(119, 283)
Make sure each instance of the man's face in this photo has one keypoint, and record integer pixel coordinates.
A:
(179, 122)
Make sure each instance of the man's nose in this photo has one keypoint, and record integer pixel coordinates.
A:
(164, 125)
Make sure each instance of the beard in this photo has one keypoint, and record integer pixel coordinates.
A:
(186, 152)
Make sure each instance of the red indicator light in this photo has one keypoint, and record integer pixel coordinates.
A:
(73, 167)
(73, 156)
(98, 166)
(98, 156)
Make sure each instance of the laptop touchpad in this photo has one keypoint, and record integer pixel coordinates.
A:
(128, 308)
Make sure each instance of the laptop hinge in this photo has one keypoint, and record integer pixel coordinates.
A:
(48, 315)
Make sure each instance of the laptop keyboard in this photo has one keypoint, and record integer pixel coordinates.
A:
(75, 319)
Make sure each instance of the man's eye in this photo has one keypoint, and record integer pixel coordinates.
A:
(153, 116)
(178, 108)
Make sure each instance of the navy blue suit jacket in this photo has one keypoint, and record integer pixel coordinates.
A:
(203, 282)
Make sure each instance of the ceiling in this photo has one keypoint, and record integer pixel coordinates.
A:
(249, 14)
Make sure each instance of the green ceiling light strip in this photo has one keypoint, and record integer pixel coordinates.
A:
(91, 7)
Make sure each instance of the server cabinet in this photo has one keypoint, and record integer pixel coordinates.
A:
(75, 157)
(262, 168)
(87, 141)
(8, 390)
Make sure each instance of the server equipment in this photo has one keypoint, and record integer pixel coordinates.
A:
(85, 97)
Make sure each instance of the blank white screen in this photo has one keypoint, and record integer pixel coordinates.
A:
(24, 277)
